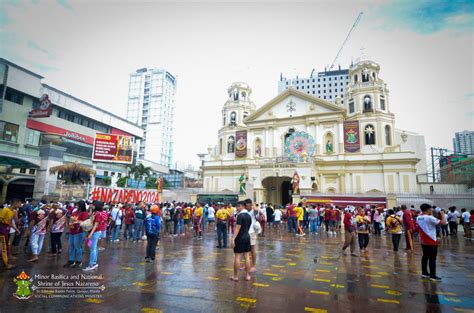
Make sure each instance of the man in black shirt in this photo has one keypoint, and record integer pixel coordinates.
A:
(241, 240)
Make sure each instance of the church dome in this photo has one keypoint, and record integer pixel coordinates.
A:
(241, 86)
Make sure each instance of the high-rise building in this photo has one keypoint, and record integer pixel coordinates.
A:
(325, 85)
(463, 142)
(151, 102)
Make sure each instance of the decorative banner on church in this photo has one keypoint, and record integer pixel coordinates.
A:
(351, 136)
(241, 144)
(108, 194)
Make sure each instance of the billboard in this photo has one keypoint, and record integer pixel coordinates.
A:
(113, 148)
(351, 136)
(241, 144)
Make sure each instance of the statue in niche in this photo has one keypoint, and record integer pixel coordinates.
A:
(329, 147)
(242, 184)
(258, 151)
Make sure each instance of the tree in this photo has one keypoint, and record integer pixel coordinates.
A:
(139, 172)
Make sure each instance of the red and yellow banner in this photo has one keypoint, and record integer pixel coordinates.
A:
(241, 144)
(351, 136)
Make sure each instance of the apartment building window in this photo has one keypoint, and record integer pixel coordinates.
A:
(14, 96)
(8, 131)
(22, 170)
(32, 137)
(32, 171)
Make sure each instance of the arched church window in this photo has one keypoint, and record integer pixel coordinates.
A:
(244, 95)
(236, 95)
(224, 119)
(373, 76)
(233, 118)
(388, 135)
(231, 144)
(356, 79)
(365, 75)
(367, 104)
(369, 132)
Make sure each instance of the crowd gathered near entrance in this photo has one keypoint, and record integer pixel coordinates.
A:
(90, 223)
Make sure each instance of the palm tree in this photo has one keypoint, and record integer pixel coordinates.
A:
(139, 171)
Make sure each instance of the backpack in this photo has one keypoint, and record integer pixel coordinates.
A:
(150, 226)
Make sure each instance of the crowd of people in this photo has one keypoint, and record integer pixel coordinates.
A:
(90, 223)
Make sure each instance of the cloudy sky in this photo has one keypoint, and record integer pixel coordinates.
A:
(88, 48)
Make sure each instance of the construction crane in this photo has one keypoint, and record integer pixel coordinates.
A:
(344, 43)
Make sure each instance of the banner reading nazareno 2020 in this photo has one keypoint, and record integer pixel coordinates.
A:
(113, 148)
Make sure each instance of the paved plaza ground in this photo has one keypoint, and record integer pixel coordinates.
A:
(294, 275)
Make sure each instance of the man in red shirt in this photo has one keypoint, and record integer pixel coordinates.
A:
(350, 234)
(409, 226)
(129, 221)
(291, 218)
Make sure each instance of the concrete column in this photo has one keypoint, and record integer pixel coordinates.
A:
(51, 155)
(3, 196)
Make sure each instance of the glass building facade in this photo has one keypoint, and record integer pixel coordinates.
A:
(151, 102)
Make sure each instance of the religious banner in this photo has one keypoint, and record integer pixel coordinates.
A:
(241, 144)
(113, 148)
(351, 136)
(122, 195)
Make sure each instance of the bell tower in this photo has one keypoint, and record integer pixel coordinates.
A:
(237, 107)
(368, 101)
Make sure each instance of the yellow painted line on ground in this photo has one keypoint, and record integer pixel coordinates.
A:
(463, 310)
(322, 280)
(291, 264)
(320, 292)
(277, 278)
(243, 299)
(327, 257)
(388, 301)
(94, 300)
(373, 275)
(270, 274)
(140, 284)
(393, 292)
(325, 263)
(380, 286)
(383, 273)
(166, 273)
(452, 299)
(371, 266)
(187, 292)
(322, 271)
(442, 293)
(285, 259)
(141, 263)
(306, 309)
(128, 268)
(260, 285)
(212, 278)
(291, 254)
(151, 310)
(278, 266)
(368, 261)
(337, 286)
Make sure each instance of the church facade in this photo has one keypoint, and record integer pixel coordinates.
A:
(351, 148)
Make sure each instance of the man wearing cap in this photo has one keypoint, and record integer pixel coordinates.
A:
(153, 228)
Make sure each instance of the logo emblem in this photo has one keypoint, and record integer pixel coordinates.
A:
(23, 282)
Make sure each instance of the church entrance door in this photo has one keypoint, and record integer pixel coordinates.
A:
(277, 190)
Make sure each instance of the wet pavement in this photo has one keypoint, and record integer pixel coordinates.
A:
(293, 275)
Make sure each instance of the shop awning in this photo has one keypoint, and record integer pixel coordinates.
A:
(16, 162)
